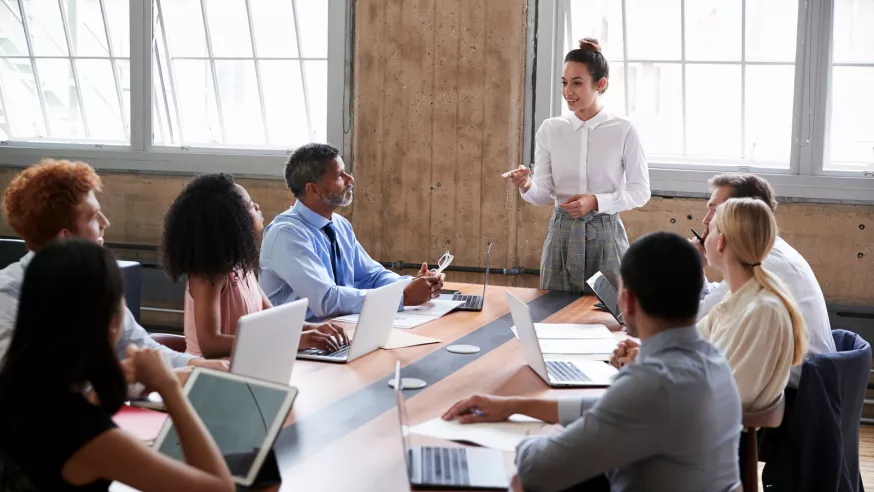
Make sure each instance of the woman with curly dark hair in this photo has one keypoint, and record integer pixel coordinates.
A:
(211, 235)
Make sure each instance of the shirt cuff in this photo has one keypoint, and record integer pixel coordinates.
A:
(571, 408)
(605, 203)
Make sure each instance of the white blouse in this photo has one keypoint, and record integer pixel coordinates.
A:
(753, 329)
(602, 157)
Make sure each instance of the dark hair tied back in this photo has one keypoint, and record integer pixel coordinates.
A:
(589, 54)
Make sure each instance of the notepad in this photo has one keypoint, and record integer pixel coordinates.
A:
(142, 423)
(413, 316)
(497, 435)
(592, 346)
(570, 331)
(401, 339)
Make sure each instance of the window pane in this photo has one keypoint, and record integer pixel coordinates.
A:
(12, 40)
(197, 104)
(274, 28)
(713, 29)
(61, 97)
(852, 128)
(713, 111)
(100, 98)
(183, 22)
(768, 112)
(283, 97)
(87, 33)
(123, 72)
(656, 104)
(313, 23)
(241, 106)
(118, 16)
(653, 29)
(317, 89)
(46, 28)
(599, 19)
(22, 100)
(229, 28)
(854, 31)
(772, 30)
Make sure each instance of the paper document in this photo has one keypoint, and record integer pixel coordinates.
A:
(591, 346)
(497, 435)
(558, 330)
(400, 339)
(413, 316)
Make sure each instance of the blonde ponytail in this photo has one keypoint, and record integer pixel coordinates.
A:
(749, 226)
(774, 285)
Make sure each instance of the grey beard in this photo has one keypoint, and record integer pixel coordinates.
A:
(341, 199)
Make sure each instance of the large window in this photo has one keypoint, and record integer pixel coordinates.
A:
(780, 87)
(159, 78)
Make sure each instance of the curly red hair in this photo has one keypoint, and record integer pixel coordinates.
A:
(41, 200)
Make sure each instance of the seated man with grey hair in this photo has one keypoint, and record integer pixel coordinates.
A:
(311, 252)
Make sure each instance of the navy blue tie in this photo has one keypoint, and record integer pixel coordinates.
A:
(335, 250)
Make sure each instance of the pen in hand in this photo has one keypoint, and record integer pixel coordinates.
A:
(697, 236)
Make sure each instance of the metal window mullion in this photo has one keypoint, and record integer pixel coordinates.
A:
(714, 62)
(258, 71)
(29, 41)
(306, 95)
(163, 92)
(122, 112)
(215, 85)
(75, 69)
(172, 75)
(625, 60)
(743, 78)
(683, 71)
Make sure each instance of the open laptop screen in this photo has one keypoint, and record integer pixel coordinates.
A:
(242, 414)
(606, 294)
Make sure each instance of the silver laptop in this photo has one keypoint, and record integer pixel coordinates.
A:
(243, 415)
(266, 342)
(556, 373)
(473, 303)
(448, 468)
(373, 328)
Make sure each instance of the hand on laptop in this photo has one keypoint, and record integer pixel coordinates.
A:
(625, 353)
(423, 287)
(217, 364)
(325, 336)
(481, 408)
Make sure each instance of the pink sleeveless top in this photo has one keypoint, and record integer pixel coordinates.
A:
(241, 296)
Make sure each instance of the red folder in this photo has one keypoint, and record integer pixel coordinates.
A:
(143, 423)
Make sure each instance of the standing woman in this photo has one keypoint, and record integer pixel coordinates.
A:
(591, 166)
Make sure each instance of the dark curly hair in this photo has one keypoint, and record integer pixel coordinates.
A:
(208, 231)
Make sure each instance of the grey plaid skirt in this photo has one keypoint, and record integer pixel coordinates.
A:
(576, 249)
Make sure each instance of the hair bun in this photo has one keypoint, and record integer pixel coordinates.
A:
(590, 44)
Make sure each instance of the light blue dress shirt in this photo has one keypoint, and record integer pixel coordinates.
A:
(296, 264)
(670, 422)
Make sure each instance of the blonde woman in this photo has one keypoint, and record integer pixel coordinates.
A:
(757, 326)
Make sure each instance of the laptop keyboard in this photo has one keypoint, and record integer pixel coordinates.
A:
(474, 302)
(444, 466)
(339, 354)
(565, 371)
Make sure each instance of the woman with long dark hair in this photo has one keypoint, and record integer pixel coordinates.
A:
(61, 382)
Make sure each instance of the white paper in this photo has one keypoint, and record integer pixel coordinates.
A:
(497, 435)
(413, 316)
(568, 331)
(591, 346)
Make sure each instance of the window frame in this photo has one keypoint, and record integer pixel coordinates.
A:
(805, 179)
(142, 156)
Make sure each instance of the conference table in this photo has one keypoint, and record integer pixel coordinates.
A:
(344, 434)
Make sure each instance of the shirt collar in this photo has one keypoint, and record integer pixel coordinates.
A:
(25, 260)
(309, 216)
(741, 297)
(592, 122)
(666, 339)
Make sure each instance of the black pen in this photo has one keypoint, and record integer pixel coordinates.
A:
(697, 237)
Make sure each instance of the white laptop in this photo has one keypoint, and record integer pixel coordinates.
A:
(373, 328)
(266, 342)
(448, 468)
(556, 373)
(244, 415)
